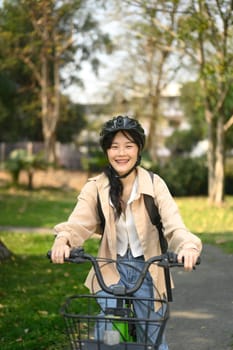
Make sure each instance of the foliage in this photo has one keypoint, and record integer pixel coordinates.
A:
(182, 142)
(18, 89)
(205, 33)
(19, 160)
(149, 62)
(184, 176)
(72, 121)
(192, 103)
(49, 40)
(95, 160)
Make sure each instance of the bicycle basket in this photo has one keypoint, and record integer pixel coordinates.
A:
(102, 323)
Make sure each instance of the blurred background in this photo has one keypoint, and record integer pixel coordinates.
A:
(66, 67)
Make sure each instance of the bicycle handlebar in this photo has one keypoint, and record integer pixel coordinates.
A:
(166, 260)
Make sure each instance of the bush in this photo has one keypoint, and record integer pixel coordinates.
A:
(19, 160)
(95, 161)
(15, 163)
(185, 176)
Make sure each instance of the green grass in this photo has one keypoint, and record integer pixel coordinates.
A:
(213, 225)
(44, 208)
(32, 290)
(201, 217)
(35, 208)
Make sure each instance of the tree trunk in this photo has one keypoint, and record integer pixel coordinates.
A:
(218, 188)
(30, 179)
(5, 253)
(210, 160)
(216, 158)
(152, 142)
(50, 98)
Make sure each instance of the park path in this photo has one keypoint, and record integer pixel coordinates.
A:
(202, 310)
(25, 229)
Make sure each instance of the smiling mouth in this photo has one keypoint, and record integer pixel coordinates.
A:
(122, 161)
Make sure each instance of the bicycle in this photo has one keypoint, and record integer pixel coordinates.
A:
(115, 326)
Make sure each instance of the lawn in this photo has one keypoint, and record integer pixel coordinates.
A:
(212, 224)
(32, 290)
(34, 208)
(44, 208)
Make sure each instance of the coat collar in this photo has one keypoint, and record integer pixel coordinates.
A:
(145, 183)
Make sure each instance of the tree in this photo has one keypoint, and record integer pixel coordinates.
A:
(149, 49)
(48, 36)
(183, 140)
(206, 36)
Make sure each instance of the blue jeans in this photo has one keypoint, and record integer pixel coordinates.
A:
(129, 269)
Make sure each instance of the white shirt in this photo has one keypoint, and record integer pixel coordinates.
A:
(127, 236)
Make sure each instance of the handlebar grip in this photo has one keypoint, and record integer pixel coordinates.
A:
(171, 260)
(76, 255)
(49, 254)
(198, 261)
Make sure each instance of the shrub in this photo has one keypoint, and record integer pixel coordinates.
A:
(185, 176)
(19, 160)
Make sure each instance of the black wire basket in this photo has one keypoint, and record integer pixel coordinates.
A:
(102, 323)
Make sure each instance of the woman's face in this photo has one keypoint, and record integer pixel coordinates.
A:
(123, 153)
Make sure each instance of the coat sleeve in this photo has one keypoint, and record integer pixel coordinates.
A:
(175, 230)
(84, 220)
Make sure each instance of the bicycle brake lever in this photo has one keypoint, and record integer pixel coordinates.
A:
(171, 260)
(49, 255)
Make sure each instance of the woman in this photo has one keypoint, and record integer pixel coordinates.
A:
(128, 234)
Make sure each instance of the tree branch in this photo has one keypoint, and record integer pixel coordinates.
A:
(228, 124)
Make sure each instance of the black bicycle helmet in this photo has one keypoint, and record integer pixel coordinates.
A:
(122, 123)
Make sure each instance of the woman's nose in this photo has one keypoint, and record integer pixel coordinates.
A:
(121, 150)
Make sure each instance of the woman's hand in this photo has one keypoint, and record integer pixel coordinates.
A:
(60, 250)
(189, 257)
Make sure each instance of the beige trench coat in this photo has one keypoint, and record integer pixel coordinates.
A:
(84, 222)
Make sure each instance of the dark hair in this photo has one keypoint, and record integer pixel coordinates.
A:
(131, 134)
(116, 187)
(122, 123)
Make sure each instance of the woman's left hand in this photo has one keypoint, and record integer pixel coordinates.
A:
(189, 257)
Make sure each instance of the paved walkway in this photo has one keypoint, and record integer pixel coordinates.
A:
(202, 311)
(23, 229)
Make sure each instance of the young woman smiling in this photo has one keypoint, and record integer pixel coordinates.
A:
(128, 234)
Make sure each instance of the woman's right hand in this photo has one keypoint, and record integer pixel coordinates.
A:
(60, 250)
